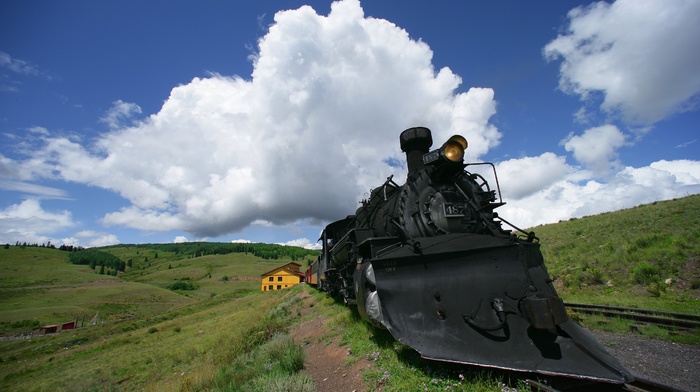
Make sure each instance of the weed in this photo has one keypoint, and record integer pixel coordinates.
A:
(645, 274)
(282, 383)
(656, 289)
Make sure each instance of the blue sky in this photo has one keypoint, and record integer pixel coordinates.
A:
(135, 122)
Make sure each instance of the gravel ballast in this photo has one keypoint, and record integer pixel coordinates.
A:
(675, 364)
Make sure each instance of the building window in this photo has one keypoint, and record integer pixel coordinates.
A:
(279, 278)
(269, 287)
(271, 279)
(279, 287)
(285, 286)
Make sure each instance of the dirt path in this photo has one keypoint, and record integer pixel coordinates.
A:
(326, 361)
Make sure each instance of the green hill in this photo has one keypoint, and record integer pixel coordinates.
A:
(153, 337)
(646, 256)
(223, 333)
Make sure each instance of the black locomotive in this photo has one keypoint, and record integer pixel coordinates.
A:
(430, 261)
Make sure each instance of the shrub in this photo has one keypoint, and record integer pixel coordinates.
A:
(182, 285)
(656, 288)
(645, 274)
(593, 276)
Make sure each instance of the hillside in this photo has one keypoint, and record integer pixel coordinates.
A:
(224, 334)
(39, 286)
(152, 337)
(650, 251)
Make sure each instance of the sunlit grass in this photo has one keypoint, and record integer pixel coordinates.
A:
(638, 246)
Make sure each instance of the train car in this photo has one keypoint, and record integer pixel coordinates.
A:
(431, 262)
(312, 273)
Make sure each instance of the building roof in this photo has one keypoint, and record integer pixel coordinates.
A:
(289, 267)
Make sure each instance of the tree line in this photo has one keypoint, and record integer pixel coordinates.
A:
(198, 249)
(64, 247)
(109, 264)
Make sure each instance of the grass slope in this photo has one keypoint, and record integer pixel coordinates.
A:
(153, 338)
(227, 335)
(39, 285)
(645, 256)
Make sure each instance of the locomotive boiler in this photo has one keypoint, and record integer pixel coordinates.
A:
(431, 262)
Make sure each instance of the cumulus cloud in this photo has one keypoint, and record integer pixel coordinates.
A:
(303, 243)
(29, 222)
(577, 194)
(597, 148)
(642, 55)
(91, 239)
(315, 127)
(524, 176)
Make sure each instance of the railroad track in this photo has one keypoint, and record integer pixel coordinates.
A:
(640, 384)
(668, 320)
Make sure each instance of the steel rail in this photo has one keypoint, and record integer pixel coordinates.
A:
(666, 319)
(639, 384)
(684, 316)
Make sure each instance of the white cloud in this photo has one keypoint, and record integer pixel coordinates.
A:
(597, 148)
(91, 238)
(303, 243)
(522, 177)
(39, 131)
(180, 239)
(29, 222)
(120, 114)
(17, 65)
(571, 197)
(317, 126)
(33, 189)
(303, 139)
(643, 55)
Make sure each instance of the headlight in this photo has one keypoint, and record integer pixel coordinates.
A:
(459, 139)
(451, 151)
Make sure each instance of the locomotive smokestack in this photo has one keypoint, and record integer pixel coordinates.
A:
(415, 142)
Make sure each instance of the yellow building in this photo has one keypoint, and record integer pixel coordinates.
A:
(282, 277)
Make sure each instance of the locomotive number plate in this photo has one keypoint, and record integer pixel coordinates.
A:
(454, 210)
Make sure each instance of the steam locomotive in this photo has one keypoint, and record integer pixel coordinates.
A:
(431, 262)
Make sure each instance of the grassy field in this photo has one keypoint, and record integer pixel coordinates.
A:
(644, 257)
(633, 246)
(226, 335)
(39, 285)
(152, 338)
